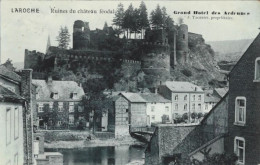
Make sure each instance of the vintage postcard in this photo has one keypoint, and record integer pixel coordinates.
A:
(130, 82)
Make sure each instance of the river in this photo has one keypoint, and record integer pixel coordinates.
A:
(112, 155)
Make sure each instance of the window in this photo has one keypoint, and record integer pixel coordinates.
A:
(126, 110)
(56, 96)
(183, 36)
(8, 126)
(16, 159)
(40, 107)
(257, 68)
(185, 107)
(152, 108)
(193, 107)
(37, 96)
(153, 117)
(71, 119)
(71, 107)
(185, 97)
(74, 96)
(80, 108)
(199, 98)
(206, 107)
(239, 149)
(240, 110)
(60, 108)
(176, 98)
(176, 107)
(193, 97)
(126, 119)
(51, 106)
(16, 123)
(199, 107)
(166, 108)
(59, 123)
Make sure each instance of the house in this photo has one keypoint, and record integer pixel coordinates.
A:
(58, 103)
(129, 112)
(16, 117)
(185, 97)
(243, 109)
(137, 110)
(18, 140)
(180, 142)
(220, 92)
(11, 123)
(210, 100)
(231, 127)
(158, 109)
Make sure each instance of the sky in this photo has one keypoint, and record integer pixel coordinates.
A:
(20, 31)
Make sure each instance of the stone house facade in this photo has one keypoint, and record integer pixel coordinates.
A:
(58, 103)
(185, 97)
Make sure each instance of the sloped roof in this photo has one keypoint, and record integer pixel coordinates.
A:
(7, 94)
(182, 86)
(153, 97)
(63, 88)
(254, 45)
(221, 91)
(133, 97)
(209, 97)
(9, 74)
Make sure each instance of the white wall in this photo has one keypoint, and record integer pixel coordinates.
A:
(159, 111)
(181, 102)
(8, 152)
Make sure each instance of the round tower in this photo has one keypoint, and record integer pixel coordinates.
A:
(81, 35)
(155, 62)
(182, 44)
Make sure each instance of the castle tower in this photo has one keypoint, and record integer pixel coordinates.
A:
(155, 62)
(182, 44)
(81, 35)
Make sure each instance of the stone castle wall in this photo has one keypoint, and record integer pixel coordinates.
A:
(32, 59)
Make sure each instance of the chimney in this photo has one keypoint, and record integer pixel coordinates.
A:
(26, 92)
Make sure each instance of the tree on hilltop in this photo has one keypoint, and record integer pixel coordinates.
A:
(156, 18)
(129, 20)
(143, 18)
(63, 38)
(119, 18)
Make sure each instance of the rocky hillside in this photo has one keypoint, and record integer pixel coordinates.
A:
(201, 69)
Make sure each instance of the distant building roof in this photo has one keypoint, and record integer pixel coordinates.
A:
(9, 74)
(133, 97)
(209, 97)
(221, 91)
(63, 88)
(7, 94)
(153, 97)
(144, 97)
(182, 86)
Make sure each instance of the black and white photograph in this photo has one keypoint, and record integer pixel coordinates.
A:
(129, 82)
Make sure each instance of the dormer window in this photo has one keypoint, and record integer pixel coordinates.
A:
(55, 95)
(74, 95)
(257, 69)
